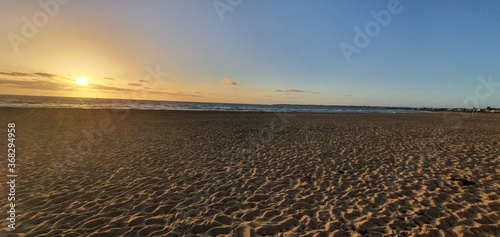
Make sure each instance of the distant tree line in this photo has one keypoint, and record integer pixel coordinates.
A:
(488, 109)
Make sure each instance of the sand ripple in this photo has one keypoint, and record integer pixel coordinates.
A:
(237, 174)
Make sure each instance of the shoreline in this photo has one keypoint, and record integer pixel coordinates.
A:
(91, 103)
(241, 111)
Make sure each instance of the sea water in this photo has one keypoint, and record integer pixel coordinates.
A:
(99, 103)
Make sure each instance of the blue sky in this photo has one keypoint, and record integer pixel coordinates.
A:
(430, 53)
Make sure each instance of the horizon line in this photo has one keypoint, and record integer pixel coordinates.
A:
(233, 103)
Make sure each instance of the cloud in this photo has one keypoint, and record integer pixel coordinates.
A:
(109, 88)
(45, 75)
(296, 91)
(174, 93)
(37, 85)
(291, 90)
(51, 82)
(229, 82)
(16, 74)
(48, 75)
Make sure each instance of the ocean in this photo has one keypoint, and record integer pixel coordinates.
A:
(94, 103)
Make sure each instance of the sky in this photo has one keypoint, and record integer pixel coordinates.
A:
(387, 53)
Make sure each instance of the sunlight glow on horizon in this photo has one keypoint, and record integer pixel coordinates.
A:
(82, 81)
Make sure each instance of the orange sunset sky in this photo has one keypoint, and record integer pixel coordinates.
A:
(415, 53)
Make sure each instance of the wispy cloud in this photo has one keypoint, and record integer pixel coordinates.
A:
(50, 82)
(109, 88)
(44, 75)
(291, 90)
(16, 74)
(47, 82)
(174, 93)
(294, 91)
(47, 75)
(229, 82)
(37, 84)
(53, 86)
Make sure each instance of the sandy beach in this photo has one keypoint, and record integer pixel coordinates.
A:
(187, 173)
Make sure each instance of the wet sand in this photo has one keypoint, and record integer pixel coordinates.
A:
(173, 173)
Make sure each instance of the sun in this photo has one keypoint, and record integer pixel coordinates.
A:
(82, 81)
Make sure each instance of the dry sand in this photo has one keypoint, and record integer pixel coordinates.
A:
(161, 173)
